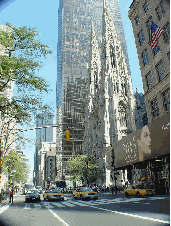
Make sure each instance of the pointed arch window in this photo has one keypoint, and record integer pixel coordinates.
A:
(122, 115)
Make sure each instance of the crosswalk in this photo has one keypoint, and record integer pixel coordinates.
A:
(76, 203)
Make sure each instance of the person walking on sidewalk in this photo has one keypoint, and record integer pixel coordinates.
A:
(11, 196)
(112, 188)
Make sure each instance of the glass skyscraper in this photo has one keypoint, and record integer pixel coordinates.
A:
(74, 28)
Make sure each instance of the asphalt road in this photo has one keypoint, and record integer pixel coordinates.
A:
(107, 210)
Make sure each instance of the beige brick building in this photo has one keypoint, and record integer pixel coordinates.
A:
(154, 63)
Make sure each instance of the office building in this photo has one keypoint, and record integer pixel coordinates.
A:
(145, 153)
(42, 135)
(154, 63)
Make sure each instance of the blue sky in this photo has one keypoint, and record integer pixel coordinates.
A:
(44, 16)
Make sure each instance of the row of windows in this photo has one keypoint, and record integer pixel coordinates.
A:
(145, 57)
(166, 103)
(160, 11)
(160, 69)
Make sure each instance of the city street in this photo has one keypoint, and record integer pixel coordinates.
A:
(107, 210)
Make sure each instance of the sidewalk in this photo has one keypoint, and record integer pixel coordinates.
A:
(121, 195)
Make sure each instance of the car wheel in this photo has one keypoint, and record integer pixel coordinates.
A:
(95, 198)
(62, 199)
(138, 194)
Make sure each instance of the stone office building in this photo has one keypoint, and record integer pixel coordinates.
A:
(146, 152)
(154, 63)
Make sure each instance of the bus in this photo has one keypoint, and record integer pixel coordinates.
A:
(27, 187)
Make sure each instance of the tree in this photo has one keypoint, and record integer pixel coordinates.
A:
(84, 168)
(16, 167)
(21, 51)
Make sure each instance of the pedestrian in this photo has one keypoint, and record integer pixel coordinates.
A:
(116, 189)
(112, 188)
(11, 195)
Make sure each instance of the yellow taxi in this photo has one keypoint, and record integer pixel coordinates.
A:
(53, 194)
(138, 190)
(85, 193)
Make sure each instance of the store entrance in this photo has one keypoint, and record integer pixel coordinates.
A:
(162, 184)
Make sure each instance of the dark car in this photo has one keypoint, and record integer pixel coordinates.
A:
(32, 195)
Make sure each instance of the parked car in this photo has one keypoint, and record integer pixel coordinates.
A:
(138, 190)
(53, 194)
(32, 195)
(85, 193)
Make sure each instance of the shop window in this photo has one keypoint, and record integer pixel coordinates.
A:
(154, 108)
(145, 57)
(145, 6)
(160, 70)
(149, 81)
(161, 10)
(166, 33)
(141, 37)
(166, 99)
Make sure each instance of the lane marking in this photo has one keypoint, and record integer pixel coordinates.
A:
(37, 206)
(27, 206)
(78, 203)
(69, 204)
(58, 217)
(4, 208)
(58, 204)
(132, 215)
(48, 206)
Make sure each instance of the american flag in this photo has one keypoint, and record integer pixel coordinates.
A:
(154, 35)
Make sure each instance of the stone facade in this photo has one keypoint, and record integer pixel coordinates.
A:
(154, 63)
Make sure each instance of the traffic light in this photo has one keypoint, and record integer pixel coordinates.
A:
(67, 135)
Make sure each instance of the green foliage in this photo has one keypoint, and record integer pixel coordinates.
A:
(84, 168)
(16, 167)
(20, 55)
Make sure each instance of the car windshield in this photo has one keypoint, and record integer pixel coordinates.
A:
(29, 186)
(86, 189)
(54, 191)
(32, 192)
